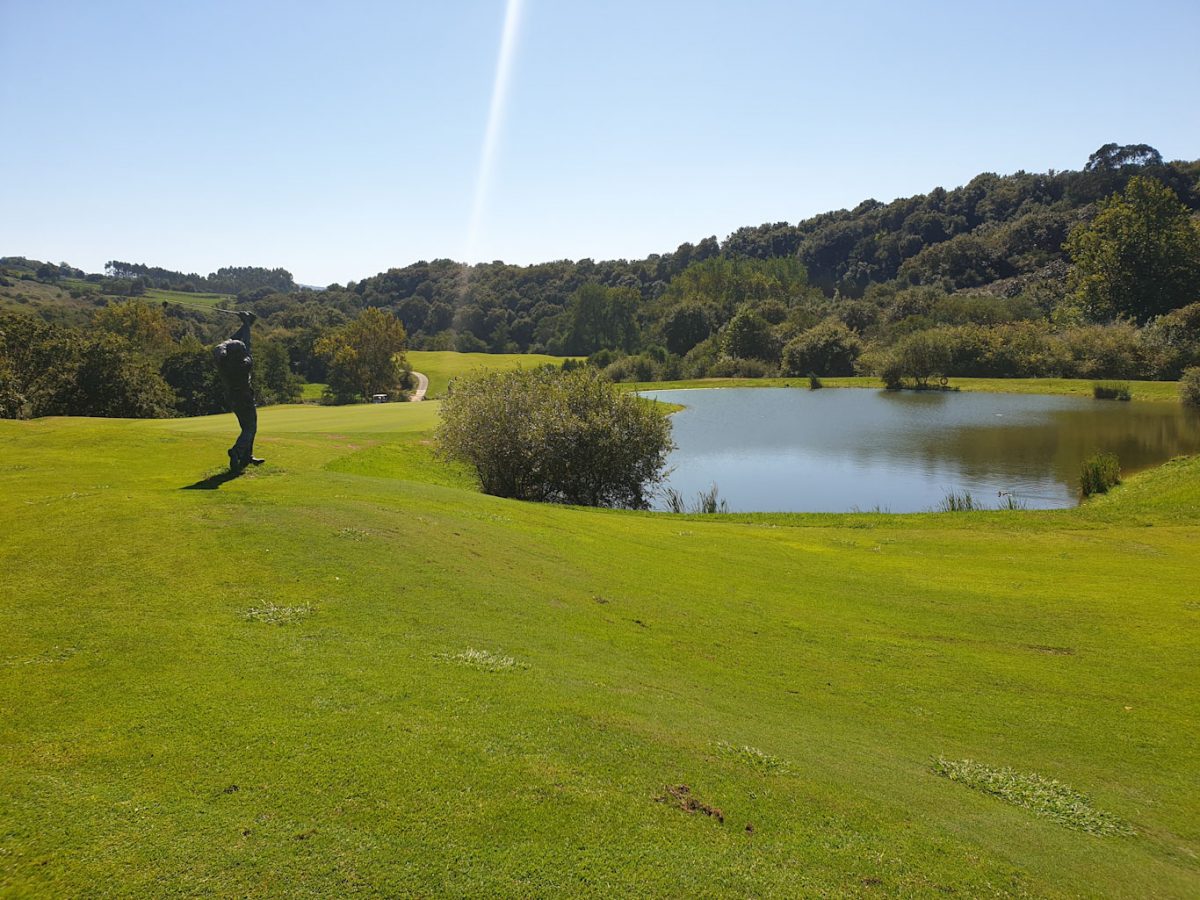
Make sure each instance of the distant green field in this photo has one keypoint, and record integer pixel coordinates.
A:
(442, 365)
(157, 295)
(347, 672)
(1078, 387)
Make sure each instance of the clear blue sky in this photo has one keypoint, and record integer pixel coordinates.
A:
(338, 140)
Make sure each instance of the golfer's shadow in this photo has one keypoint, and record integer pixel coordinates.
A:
(212, 482)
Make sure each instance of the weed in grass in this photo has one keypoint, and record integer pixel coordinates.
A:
(272, 614)
(680, 796)
(1042, 796)
(53, 655)
(753, 757)
(483, 660)
(1099, 472)
(956, 502)
(1053, 651)
(354, 534)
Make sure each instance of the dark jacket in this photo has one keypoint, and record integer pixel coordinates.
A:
(234, 364)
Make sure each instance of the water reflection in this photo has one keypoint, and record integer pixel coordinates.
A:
(833, 450)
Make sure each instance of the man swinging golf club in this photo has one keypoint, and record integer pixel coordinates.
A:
(233, 364)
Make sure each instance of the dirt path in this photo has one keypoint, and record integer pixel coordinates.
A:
(422, 386)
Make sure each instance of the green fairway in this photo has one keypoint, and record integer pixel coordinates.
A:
(348, 672)
(442, 365)
(361, 418)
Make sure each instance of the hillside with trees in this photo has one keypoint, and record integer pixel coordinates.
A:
(1087, 273)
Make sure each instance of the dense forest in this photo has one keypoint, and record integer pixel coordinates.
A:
(1088, 273)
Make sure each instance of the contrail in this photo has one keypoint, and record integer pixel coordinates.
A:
(508, 44)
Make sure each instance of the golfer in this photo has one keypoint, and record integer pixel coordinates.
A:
(234, 364)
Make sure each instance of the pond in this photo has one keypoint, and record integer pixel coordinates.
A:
(840, 449)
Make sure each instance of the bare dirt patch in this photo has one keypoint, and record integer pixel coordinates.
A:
(680, 796)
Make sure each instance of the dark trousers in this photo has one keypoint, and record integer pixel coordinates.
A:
(247, 417)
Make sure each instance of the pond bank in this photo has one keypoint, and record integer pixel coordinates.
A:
(1156, 391)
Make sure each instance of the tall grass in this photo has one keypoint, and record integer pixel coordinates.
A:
(1111, 390)
(956, 502)
(1010, 502)
(1099, 472)
(706, 502)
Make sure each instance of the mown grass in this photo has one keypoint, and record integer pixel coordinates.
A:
(159, 734)
(439, 366)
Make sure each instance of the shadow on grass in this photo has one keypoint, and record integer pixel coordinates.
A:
(212, 482)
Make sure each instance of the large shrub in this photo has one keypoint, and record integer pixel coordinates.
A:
(633, 368)
(1189, 388)
(1105, 351)
(653, 365)
(729, 367)
(920, 356)
(557, 437)
(826, 349)
(1172, 342)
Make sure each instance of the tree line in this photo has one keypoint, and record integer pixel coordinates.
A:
(226, 280)
(140, 360)
(1089, 273)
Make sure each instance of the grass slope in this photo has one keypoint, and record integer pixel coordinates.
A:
(31, 296)
(347, 672)
(35, 295)
(442, 365)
